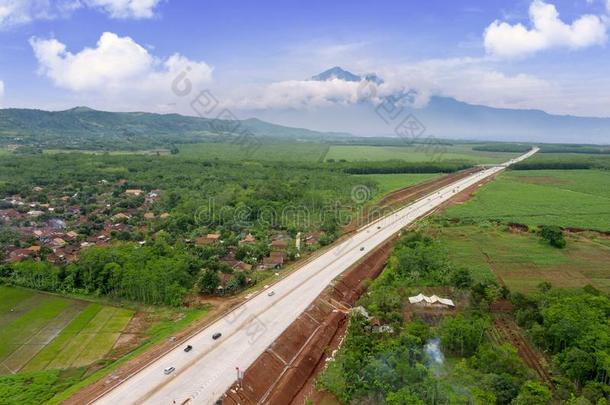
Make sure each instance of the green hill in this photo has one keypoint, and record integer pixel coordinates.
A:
(85, 128)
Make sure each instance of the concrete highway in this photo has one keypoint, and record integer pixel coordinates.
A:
(202, 375)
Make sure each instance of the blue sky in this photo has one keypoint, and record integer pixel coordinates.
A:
(255, 56)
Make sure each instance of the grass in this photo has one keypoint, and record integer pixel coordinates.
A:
(414, 154)
(36, 387)
(386, 183)
(41, 331)
(522, 260)
(567, 198)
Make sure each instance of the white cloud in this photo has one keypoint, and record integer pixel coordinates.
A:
(298, 94)
(19, 12)
(547, 31)
(467, 79)
(117, 68)
(126, 8)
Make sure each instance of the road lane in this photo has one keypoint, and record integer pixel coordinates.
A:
(205, 373)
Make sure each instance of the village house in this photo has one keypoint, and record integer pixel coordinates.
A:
(17, 255)
(279, 244)
(134, 191)
(241, 266)
(153, 196)
(274, 261)
(10, 214)
(313, 238)
(35, 213)
(120, 217)
(210, 239)
(249, 239)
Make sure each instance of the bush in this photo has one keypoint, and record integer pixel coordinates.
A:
(553, 235)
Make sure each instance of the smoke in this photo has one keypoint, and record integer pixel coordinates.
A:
(432, 348)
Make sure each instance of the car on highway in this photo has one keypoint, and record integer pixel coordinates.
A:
(188, 348)
(169, 370)
(362, 248)
(216, 335)
(271, 293)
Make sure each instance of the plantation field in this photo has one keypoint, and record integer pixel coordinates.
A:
(42, 332)
(415, 154)
(386, 183)
(567, 198)
(288, 152)
(596, 160)
(522, 260)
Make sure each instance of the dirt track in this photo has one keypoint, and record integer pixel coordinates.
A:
(506, 331)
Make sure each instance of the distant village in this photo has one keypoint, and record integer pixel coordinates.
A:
(56, 228)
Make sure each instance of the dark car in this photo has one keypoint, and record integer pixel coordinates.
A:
(361, 249)
(216, 335)
(188, 348)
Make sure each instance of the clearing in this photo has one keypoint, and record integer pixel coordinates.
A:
(521, 260)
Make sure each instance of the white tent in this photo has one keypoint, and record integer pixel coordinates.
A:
(433, 300)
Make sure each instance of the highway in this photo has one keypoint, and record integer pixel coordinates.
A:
(202, 375)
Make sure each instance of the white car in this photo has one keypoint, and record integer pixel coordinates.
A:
(169, 370)
(271, 293)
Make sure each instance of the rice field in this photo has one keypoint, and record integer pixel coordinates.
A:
(42, 332)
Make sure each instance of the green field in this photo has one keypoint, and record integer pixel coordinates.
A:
(567, 198)
(40, 331)
(386, 183)
(415, 154)
(522, 260)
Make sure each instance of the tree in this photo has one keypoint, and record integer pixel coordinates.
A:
(209, 282)
(553, 235)
(403, 396)
(577, 364)
(461, 278)
(532, 392)
(463, 335)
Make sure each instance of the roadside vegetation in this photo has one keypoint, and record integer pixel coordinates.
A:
(394, 364)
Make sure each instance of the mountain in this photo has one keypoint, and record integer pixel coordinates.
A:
(85, 128)
(443, 117)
